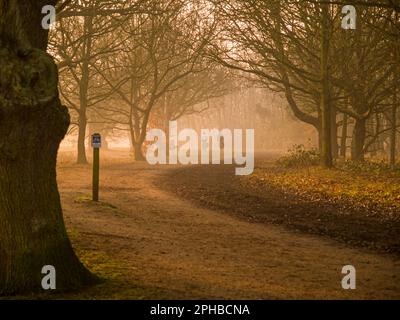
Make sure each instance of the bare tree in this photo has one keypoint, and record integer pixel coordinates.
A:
(300, 50)
(79, 43)
(285, 46)
(162, 50)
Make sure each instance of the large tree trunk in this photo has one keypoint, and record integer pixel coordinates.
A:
(358, 141)
(136, 145)
(83, 91)
(326, 117)
(334, 134)
(393, 132)
(343, 139)
(139, 152)
(32, 124)
(81, 157)
(167, 118)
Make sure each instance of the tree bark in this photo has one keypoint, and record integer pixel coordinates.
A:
(343, 139)
(81, 157)
(358, 142)
(32, 124)
(167, 118)
(334, 134)
(136, 145)
(83, 91)
(326, 152)
(393, 131)
(138, 152)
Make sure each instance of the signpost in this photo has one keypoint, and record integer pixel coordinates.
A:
(96, 144)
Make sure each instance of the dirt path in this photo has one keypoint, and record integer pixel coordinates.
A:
(193, 252)
(256, 199)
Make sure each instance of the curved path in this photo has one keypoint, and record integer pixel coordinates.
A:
(192, 252)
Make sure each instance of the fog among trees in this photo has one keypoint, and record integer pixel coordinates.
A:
(318, 82)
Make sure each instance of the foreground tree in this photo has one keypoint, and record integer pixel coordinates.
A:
(32, 124)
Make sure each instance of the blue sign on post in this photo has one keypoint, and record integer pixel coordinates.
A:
(96, 141)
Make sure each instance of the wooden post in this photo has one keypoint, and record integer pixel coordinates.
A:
(96, 144)
(96, 173)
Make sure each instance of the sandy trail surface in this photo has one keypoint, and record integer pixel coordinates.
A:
(192, 252)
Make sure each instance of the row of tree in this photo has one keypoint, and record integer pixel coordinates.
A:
(127, 64)
(330, 76)
(127, 70)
